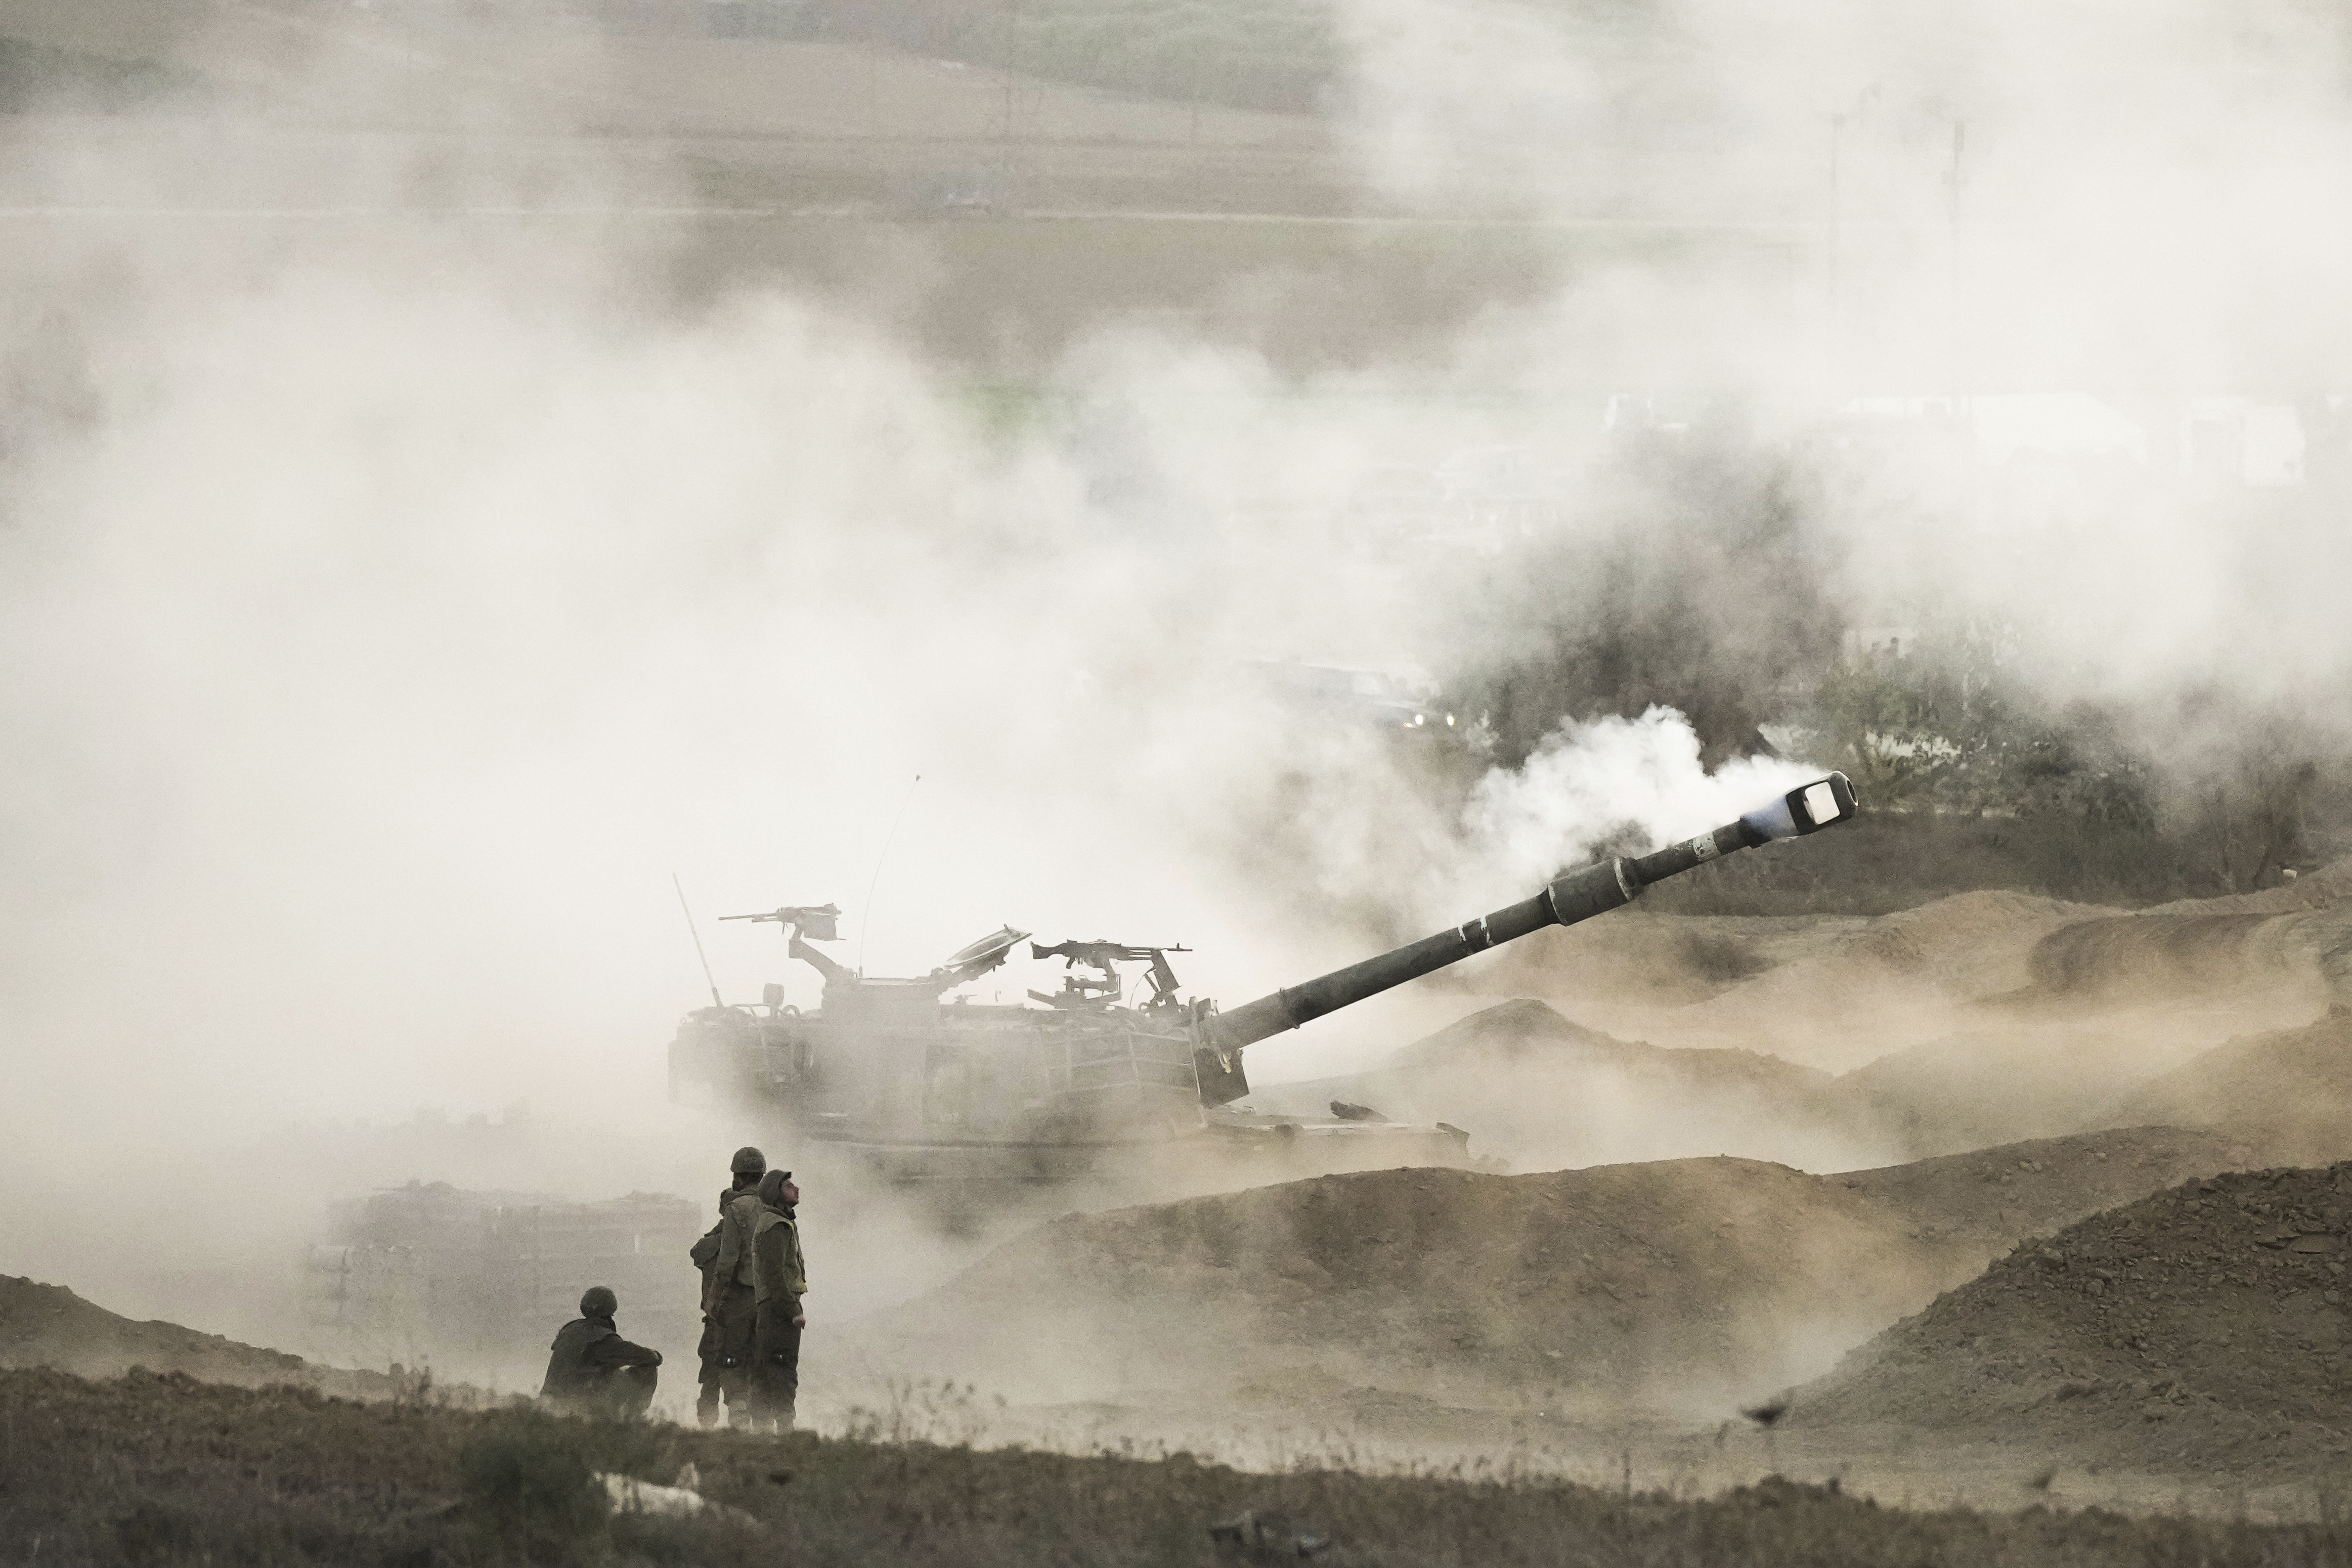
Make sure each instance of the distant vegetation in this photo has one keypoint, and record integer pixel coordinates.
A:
(1710, 588)
(1898, 860)
(1281, 55)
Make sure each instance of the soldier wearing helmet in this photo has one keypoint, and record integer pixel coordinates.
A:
(731, 1299)
(593, 1371)
(783, 1281)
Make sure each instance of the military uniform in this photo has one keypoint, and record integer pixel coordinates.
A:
(728, 1348)
(710, 1381)
(593, 1371)
(781, 1279)
(730, 1306)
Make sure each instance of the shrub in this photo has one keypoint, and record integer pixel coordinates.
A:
(149, 1533)
(530, 1490)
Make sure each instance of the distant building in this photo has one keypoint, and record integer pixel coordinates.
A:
(472, 1284)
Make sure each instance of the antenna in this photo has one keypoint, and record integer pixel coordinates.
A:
(697, 939)
(865, 921)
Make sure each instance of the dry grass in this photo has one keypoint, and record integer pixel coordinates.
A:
(163, 1469)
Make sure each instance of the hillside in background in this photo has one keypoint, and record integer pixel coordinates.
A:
(49, 1326)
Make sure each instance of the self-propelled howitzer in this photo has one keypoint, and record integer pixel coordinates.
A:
(935, 1087)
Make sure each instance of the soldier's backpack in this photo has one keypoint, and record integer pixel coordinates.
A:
(704, 1252)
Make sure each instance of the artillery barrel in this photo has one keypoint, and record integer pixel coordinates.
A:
(1576, 897)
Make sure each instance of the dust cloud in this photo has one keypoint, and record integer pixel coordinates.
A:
(411, 560)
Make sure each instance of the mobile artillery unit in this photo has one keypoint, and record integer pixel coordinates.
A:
(931, 1089)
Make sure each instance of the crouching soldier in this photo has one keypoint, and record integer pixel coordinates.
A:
(593, 1371)
(729, 1299)
(783, 1281)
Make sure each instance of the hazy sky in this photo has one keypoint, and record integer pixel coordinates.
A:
(389, 608)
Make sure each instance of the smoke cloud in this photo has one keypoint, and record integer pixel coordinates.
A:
(398, 588)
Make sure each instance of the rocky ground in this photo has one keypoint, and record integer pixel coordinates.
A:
(2198, 1331)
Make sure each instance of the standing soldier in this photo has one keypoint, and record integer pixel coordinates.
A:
(704, 1254)
(783, 1281)
(729, 1298)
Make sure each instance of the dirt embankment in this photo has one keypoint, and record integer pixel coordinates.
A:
(49, 1326)
(2190, 1016)
(2025, 1079)
(2291, 1090)
(2200, 1328)
(2001, 957)
(1665, 961)
(1834, 992)
(1972, 1021)
(1674, 1285)
(1538, 1092)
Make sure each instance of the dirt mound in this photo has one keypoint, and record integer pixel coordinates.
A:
(1540, 1091)
(2298, 935)
(2101, 1018)
(2131, 957)
(1892, 981)
(1988, 1086)
(2291, 1088)
(2328, 886)
(1967, 945)
(49, 1326)
(1988, 1198)
(1656, 959)
(1527, 1034)
(1678, 1282)
(1840, 992)
(2195, 1328)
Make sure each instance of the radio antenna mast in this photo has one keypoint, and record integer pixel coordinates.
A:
(865, 915)
(696, 935)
